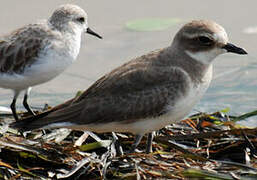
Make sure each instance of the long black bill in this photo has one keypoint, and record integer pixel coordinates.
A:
(89, 31)
(234, 49)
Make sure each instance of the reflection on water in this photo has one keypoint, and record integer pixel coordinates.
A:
(235, 82)
(235, 89)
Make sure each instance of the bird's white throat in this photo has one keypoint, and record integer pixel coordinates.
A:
(206, 57)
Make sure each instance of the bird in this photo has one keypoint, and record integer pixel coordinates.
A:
(38, 52)
(148, 92)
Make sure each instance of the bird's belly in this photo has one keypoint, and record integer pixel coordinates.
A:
(42, 70)
(48, 68)
(174, 113)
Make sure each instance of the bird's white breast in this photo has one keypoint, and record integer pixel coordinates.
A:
(180, 109)
(52, 61)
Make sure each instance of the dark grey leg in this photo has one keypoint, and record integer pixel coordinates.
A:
(149, 148)
(13, 105)
(25, 103)
(136, 142)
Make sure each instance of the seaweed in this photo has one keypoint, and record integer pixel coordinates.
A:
(204, 146)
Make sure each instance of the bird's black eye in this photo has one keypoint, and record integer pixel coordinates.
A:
(205, 40)
(81, 19)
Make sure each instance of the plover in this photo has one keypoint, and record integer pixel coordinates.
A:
(36, 53)
(148, 92)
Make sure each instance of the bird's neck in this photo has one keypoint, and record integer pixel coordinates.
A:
(74, 43)
(71, 44)
(195, 69)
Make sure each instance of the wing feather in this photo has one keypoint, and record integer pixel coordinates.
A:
(139, 89)
(20, 48)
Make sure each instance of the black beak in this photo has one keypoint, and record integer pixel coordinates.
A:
(234, 49)
(89, 31)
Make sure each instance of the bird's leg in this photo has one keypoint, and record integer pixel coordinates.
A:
(25, 103)
(149, 147)
(136, 142)
(13, 105)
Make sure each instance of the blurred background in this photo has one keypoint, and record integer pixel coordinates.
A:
(132, 28)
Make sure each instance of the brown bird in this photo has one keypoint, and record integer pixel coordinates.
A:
(148, 92)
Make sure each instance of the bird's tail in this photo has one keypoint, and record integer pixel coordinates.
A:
(60, 117)
(27, 123)
(30, 123)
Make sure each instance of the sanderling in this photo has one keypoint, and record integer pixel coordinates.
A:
(36, 53)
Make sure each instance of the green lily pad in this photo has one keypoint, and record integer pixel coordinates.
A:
(152, 24)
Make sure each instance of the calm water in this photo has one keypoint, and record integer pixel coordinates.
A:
(235, 82)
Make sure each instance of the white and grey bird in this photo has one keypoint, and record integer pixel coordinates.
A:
(148, 92)
(37, 53)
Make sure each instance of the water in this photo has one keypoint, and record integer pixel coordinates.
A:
(235, 82)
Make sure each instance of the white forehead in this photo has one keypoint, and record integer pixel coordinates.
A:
(221, 36)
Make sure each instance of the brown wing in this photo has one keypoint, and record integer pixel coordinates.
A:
(130, 77)
(146, 94)
(19, 49)
(138, 89)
